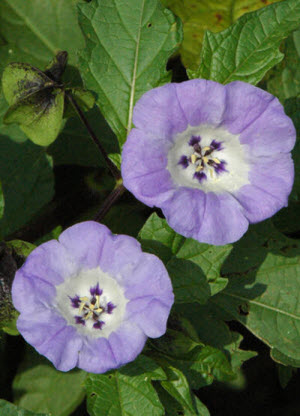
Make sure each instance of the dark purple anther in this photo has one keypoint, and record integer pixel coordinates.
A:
(200, 176)
(216, 145)
(96, 291)
(98, 325)
(75, 301)
(220, 167)
(194, 140)
(110, 307)
(79, 320)
(183, 162)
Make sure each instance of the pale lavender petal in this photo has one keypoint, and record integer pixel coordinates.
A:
(144, 171)
(153, 319)
(223, 221)
(84, 242)
(127, 342)
(30, 292)
(158, 112)
(50, 262)
(97, 356)
(271, 183)
(202, 101)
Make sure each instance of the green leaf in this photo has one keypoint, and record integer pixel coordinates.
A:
(284, 81)
(285, 374)
(116, 159)
(27, 181)
(46, 26)
(2, 202)
(107, 394)
(178, 387)
(122, 68)
(264, 288)
(39, 387)
(201, 15)
(236, 54)
(283, 359)
(10, 130)
(186, 258)
(20, 247)
(35, 104)
(9, 409)
(84, 98)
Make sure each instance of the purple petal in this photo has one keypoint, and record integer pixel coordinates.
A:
(153, 319)
(244, 104)
(49, 334)
(31, 292)
(119, 252)
(144, 162)
(97, 356)
(50, 262)
(213, 218)
(271, 183)
(260, 119)
(203, 102)
(159, 113)
(127, 342)
(84, 243)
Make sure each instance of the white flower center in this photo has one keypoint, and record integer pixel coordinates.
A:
(92, 301)
(208, 158)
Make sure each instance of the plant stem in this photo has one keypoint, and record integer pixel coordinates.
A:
(109, 201)
(113, 169)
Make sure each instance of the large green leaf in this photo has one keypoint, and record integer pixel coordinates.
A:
(45, 27)
(284, 81)
(9, 409)
(249, 48)
(27, 181)
(121, 68)
(201, 15)
(192, 265)
(39, 387)
(126, 392)
(263, 292)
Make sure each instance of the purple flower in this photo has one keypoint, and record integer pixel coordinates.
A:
(213, 157)
(91, 299)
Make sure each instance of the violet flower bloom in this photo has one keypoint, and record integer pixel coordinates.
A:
(213, 157)
(91, 299)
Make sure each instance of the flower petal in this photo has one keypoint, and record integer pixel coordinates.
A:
(49, 262)
(97, 356)
(211, 218)
(144, 172)
(84, 242)
(153, 319)
(271, 183)
(127, 342)
(49, 335)
(202, 101)
(30, 292)
(159, 113)
(260, 119)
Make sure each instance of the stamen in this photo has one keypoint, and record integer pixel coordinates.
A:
(193, 158)
(216, 160)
